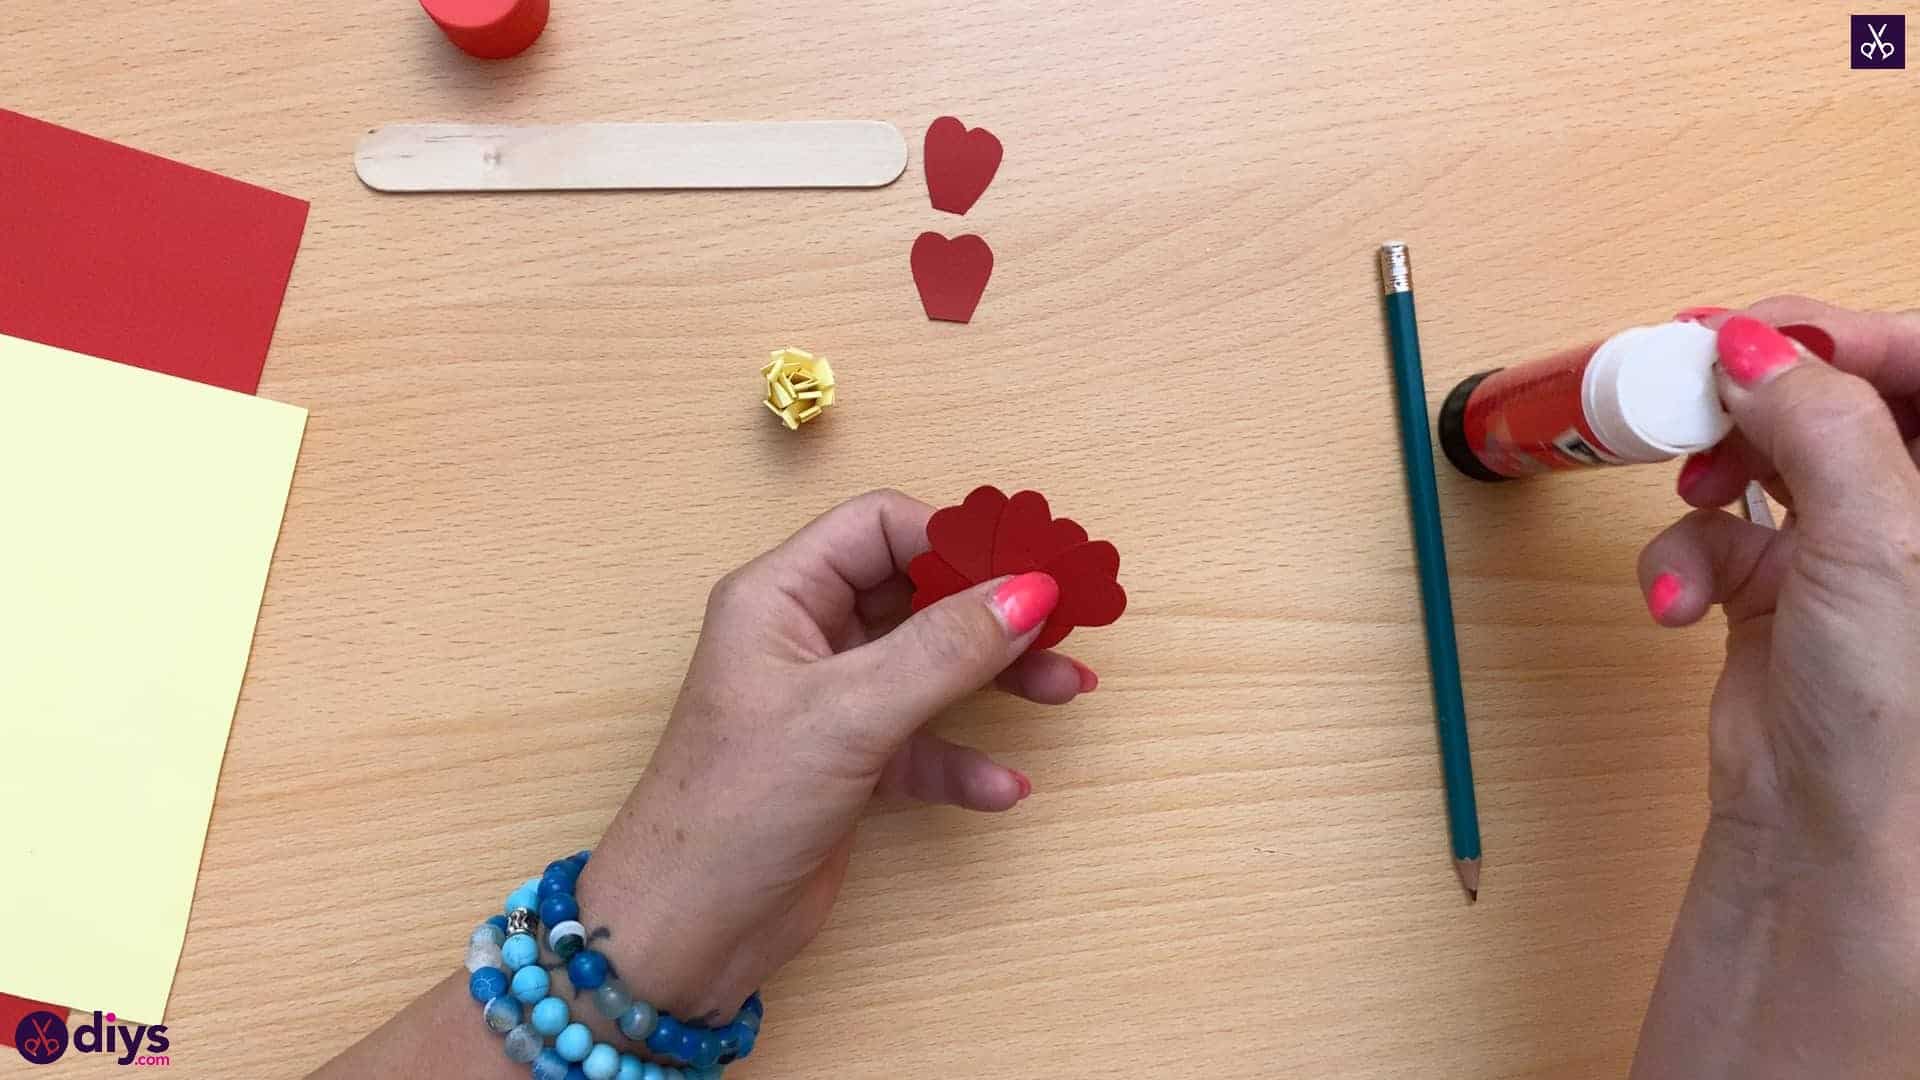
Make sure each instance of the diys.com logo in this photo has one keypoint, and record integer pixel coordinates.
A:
(44, 1038)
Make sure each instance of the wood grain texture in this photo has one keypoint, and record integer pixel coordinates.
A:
(536, 439)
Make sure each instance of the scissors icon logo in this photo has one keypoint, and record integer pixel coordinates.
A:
(41, 1037)
(1879, 41)
(1878, 48)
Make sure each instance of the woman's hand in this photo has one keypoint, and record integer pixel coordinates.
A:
(1800, 938)
(807, 695)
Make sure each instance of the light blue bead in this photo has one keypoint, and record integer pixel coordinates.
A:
(550, 1016)
(502, 1014)
(612, 999)
(653, 1072)
(519, 951)
(637, 1022)
(530, 984)
(523, 1044)
(526, 896)
(574, 1042)
(549, 1066)
(603, 1063)
(631, 1068)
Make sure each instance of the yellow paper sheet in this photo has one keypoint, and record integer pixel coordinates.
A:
(138, 514)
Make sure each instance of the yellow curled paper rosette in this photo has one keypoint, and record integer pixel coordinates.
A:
(799, 385)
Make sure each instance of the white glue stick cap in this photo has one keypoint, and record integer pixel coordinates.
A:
(1649, 393)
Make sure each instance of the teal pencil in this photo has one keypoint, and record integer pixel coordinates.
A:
(1436, 594)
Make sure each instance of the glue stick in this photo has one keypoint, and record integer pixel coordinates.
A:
(1643, 395)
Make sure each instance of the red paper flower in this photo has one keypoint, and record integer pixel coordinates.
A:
(990, 535)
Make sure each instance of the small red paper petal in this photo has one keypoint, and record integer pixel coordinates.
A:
(1089, 595)
(1022, 526)
(1030, 536)
(960, 163)
(963, 535)
(1091, 603)
(933, 580)
(1053, 634)
(951, 274)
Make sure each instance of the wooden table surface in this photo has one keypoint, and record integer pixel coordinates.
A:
(535, 441)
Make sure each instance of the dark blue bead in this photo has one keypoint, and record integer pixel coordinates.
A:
(728, 1041)
(499, 921)
(706, 1052)
(748, 1037)
(563, 866)
(557, 909)
(687, 1046)
(582, 856)
(587, 970)
(554, 883)
(666, 1036)
(486, 983)
(575, 1072)
(754, 1005)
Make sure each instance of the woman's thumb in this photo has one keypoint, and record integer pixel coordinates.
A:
(944, 652)
(1830, 434)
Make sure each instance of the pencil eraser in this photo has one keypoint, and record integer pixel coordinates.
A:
(489, 29)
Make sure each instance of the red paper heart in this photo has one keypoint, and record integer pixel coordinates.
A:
(990, 535)
(960, 164)
(933, 579)
(1089, 595)
(963, 535)
(951, 274)
(1030, 536)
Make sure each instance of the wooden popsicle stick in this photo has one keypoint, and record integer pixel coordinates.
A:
(564, 157)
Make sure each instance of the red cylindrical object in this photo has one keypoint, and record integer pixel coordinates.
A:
(489, 29)
(1521, 420)
(1644, 395)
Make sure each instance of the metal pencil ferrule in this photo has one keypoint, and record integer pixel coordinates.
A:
(1396, 273)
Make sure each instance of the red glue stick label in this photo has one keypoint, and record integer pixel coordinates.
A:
(1529, 419)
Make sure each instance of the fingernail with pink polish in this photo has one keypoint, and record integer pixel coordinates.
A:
(1089, 682)
(1026, 785)
(1024, 602)
(1697, 467)
(1664, 593)
(1751, 352)
(1699, 314)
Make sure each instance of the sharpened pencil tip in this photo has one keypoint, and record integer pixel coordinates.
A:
(1469, 871)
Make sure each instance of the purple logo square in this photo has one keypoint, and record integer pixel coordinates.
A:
(1879, 41)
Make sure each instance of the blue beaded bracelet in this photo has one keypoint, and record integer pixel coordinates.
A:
(514, 988)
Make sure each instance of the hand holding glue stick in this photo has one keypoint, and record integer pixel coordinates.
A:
(1799, 939)
(1643, 395)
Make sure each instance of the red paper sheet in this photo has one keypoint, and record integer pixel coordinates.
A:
(119, 254)
(15, 1009)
